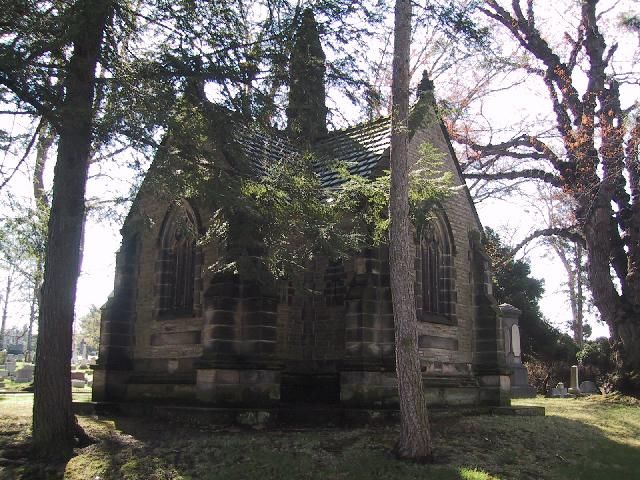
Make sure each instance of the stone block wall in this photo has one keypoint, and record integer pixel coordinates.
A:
(327, 337)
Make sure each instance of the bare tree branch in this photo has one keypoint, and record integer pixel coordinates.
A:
(570, 233)
(547, 177)
(25, 155)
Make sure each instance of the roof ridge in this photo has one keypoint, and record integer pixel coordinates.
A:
(357, 126)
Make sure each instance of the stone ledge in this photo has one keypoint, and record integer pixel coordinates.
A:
(285, 415)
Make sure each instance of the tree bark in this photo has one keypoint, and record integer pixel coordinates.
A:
(45, 141)
(415, 437)
(621, 316)
(5, 309)
(54, 426)
(579, 318)
(598, 167)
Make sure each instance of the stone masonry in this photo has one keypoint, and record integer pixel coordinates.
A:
(173, 331)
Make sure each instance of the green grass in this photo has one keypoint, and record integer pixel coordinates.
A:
(587, 438)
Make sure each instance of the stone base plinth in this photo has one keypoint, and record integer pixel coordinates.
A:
(361, 389)
(495, 390)
(109, 385)
(520, 387)
(229, 387)
(367, 389)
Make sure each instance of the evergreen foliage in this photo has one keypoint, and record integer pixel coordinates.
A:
(287, 216)
(89, 329)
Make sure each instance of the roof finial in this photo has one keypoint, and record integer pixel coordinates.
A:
(425, 85)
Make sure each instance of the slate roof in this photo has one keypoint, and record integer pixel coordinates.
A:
(360, 148)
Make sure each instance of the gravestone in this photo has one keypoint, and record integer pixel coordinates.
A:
(78, 383)
(83, 350)
(24, 375)
(573, 387)
(11, 368)
(558, 391)
(3, 373)
(78, 376)
(588, 387)
(520, 387)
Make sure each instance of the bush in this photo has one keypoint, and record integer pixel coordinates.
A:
(546, 374)
(596, 354)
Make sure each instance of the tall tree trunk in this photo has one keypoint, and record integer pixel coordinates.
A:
(45, 141)
(579, 319)
(5, 309)
(573, 267)
(415, 437)
(620, 314)
(54, 427)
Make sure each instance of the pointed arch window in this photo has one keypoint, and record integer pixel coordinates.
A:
(178, 262)
(431, 259)
(437, 295)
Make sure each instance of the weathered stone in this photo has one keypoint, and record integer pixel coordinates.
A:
(176, 329)
(573, 388)
(432, 341)
(78, 376)
(78, 383)
(588, 387)
(24, 375)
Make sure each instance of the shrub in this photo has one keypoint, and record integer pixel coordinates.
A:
(596, 354)
(546, 374)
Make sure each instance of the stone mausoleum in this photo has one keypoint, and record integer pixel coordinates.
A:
(174, 331)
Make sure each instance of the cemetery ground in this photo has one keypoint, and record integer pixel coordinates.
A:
(595, 437)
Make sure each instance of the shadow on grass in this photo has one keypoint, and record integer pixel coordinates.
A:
(468, 448)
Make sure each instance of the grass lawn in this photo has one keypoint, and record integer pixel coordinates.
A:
(587, 438)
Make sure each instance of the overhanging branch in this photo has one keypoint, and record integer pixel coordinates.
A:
(570, 233)
(536, 174)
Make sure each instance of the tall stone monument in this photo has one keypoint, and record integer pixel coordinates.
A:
(574, 388)
(520, 387)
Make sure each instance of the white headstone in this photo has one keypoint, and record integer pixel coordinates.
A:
(573, 387)
(515, 340)
(83, 350)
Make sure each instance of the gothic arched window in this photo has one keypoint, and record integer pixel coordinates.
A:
(431, 274)
(178, 262)
(437, 275)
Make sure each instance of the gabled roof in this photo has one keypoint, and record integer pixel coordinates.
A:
(359, 148)
(362, 148)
